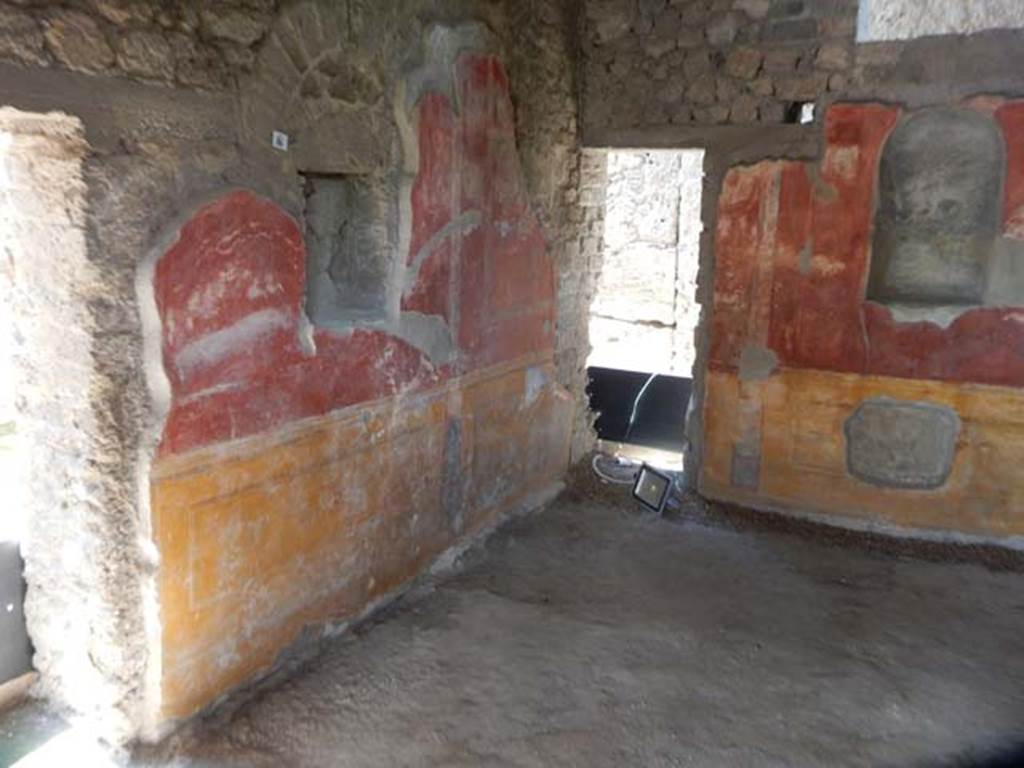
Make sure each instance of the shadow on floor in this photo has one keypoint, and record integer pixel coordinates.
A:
(1010, 758)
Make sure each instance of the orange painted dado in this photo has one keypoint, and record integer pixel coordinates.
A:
(803, 451)
(307, 525)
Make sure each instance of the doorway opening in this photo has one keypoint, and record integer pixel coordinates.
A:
(645, 313)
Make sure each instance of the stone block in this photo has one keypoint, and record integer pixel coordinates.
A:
(702, 91)
(901, 445)
(77, 42)
(20, 38)
(697, 63)
(690, 37)
(781, 61)
(235, 24)
(146, 54)
(198, 65)
(786, 8)
(744, 109)
(711, 115)
(726, 89)
(755, 9)
(694, 14)
(743, 63)
(122, 12)
(721, 31)
(791, 30)
(833, 57)
(805, 88)
(656, 47)
(771, 111)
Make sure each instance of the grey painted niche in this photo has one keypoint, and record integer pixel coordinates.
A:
(349, 252)
(938, 220)
(901, 444)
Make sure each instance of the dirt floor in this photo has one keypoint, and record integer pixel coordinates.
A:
(593, 635)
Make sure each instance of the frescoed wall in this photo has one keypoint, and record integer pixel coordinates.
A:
(308, 469)
(867, 339)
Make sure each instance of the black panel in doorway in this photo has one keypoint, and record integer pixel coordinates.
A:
(660, 401)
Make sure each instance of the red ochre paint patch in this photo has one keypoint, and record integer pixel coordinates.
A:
(230, 290)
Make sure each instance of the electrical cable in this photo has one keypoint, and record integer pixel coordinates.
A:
(636, 404)
(611, 478)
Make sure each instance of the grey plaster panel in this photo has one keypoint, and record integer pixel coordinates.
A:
(899, 444)
(746, 466)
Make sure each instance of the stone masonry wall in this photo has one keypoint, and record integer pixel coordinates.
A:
(655, 62)
(201, 45)
(562, 181)
(678, 63)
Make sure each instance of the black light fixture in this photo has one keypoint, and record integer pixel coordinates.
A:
(652, 488)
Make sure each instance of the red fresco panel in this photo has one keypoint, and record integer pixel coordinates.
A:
(230, 289)
(820, 236)
(739, 232)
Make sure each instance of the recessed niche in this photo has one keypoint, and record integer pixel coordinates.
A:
(939, 205)
(349, 254)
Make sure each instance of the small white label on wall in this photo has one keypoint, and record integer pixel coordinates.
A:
(279, 140)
